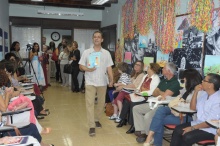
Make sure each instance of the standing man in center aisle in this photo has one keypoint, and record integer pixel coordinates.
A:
(96, 62)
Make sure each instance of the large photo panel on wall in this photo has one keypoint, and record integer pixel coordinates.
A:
(188, 45)
(212, 41)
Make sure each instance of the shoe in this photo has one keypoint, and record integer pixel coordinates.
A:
(46, 109)
(47, 113)
(137, 133)
(51, 144)
(122, 123)
(150, 143)
(40, 117)
(146, 144)
(112, 117)
(48, 84)
(117, 120)
(92, 132)
(141, 138)
(98, 124)
(131, 130)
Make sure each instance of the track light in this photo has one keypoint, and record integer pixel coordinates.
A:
(47, 12)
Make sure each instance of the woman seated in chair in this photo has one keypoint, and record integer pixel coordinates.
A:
(10, 71)
(146, 87)
(164, 115)
(207, 107)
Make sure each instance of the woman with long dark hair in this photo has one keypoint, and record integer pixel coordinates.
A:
(37, 70)
(15, 48)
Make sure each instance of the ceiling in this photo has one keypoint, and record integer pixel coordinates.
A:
(66, 3)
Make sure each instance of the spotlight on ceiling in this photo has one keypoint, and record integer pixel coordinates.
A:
(98, 2)
(37, 0)
(47, 12)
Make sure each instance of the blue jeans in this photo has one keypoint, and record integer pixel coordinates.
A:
(162, 117)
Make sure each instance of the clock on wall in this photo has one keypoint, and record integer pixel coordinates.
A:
(55, 36)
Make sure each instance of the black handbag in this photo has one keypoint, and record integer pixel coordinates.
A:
(68, 69)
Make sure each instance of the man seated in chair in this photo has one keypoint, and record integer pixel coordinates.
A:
(143, 114)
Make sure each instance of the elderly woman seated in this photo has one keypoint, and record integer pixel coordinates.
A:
(207, 107)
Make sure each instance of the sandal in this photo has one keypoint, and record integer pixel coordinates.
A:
(46, 130)
(46, 110)
(46, 113)
(40, 117)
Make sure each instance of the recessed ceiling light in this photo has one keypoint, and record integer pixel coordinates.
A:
(48, 12)
(98, 2)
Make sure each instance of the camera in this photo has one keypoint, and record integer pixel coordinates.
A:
(29, 46)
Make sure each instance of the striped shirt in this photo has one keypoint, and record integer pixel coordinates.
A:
(124, 79)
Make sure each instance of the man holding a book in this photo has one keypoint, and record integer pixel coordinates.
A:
(96, 62)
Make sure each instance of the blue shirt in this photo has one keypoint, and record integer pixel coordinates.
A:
(208, 108)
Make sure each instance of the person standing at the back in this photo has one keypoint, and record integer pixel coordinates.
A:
(96, 62)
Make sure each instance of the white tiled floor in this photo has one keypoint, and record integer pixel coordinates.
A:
(69, 124)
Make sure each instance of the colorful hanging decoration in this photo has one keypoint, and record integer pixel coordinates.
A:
(201, 14)
(119, 53)
(128, 14)
(143, 16)
(163, 23)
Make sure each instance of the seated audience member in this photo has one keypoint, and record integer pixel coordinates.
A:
(9, 67)
(148, 84)
(123, 81)
(207, 107)
(19, 70)
(116, 76)
(164, 115)
(143, 114)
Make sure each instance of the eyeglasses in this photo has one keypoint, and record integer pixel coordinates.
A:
(137, 64)
(205, 81)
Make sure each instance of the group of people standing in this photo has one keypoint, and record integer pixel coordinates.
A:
(42, 62)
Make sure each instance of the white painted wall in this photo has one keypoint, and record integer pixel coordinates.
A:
(112, 15)
(4, 15)
(47, 33)
(4, 22)
(31, 11)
